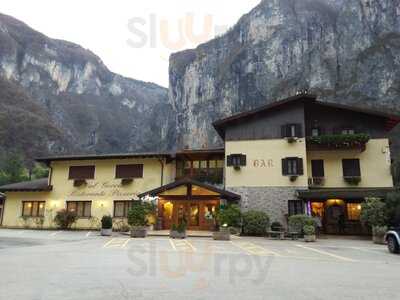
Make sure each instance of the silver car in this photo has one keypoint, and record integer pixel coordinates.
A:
(392, 238)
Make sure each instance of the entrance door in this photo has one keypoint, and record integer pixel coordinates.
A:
(193, 212)
(1, 215)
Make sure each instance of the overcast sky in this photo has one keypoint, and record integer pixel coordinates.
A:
(133, 38)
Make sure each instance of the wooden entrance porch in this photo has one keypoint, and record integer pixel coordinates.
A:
(189, 201)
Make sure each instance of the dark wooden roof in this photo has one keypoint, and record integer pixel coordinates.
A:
(221, 125)
(224, 194)
(201, 154)
(342, 193)
(40, 185)
(47, 160)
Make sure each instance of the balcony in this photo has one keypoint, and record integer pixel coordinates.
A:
(332, 142)
(316, 181)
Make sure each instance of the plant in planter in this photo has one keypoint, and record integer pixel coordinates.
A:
(223, 234)
(178, 231)
(255, 223)
(352, 180)
(309, 233)
(106, 226)
(374, 214)
(137, 219)
(297, 223)
(65, 219)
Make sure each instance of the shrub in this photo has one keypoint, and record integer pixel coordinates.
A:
(309, 229)
(276, 226)
(379, 230)
(106, 222)
(340, 140)
(231, 215)
(137, 215)
(64, 219)
(255, 223)
(297, 222)
(392, 203)
(373, 212)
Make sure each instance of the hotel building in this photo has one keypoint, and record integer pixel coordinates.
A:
(297, 155)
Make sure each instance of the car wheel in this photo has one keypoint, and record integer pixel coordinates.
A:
(393, 246)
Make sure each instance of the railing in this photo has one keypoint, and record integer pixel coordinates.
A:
(338, 142)
(212, 176)
(316, 181)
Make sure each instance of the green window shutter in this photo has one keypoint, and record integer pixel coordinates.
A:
(300, 168)
(243, 160)
(299, 130)
(284, 130)
(285, 168)
(229, 160)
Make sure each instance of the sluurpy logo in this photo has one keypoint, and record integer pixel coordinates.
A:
(172, 35)
(204, 265)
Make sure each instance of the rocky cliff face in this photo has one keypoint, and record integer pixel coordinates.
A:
(342, 50)
(90, 108)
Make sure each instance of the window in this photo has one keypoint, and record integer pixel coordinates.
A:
(33, 208)
(236, 160)
(348, 131)
(295, 207)
(292, 166)
(351, 168)
(317, 168)
(353, 211)
(121, 208)
(129, 171)
(315, 131)
(291, 130)
(81, 172)
(81, 208)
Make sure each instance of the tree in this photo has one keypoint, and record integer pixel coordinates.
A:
(39, 171)
(396, 172)
(12, 169)
(374, 212)
(393, 208)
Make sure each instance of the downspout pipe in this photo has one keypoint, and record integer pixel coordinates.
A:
(162, 170)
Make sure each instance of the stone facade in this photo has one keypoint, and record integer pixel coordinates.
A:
(272, 200)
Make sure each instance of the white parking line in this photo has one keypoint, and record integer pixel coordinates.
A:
(88, 234)
(54, 233)
(327, 253)
(116, 243)
(253, 249)
(182, 246)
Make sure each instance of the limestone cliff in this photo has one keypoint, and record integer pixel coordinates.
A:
(342, 50)
(90, 108)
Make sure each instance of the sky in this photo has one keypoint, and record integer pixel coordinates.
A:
(133, 38)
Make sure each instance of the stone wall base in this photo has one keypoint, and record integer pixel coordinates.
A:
(272, 200)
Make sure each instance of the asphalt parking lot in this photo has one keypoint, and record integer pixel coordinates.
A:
(83, 265)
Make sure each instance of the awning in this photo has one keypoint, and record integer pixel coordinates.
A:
(349, 194)
(40, 185)
(223, 194)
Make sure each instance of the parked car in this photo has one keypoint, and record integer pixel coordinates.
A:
(392, 238)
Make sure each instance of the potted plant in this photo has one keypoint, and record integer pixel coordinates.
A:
(378, 234)
(106, 226)
(65, 219)
(223, 234)
(309, 233)
(374, 214)
(178, 231)
(137, 219)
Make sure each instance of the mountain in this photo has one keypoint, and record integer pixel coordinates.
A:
(57, 97)
(345, 51)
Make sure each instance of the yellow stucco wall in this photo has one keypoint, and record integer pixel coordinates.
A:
(102, 191)
(264, 163)
(374, 164)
